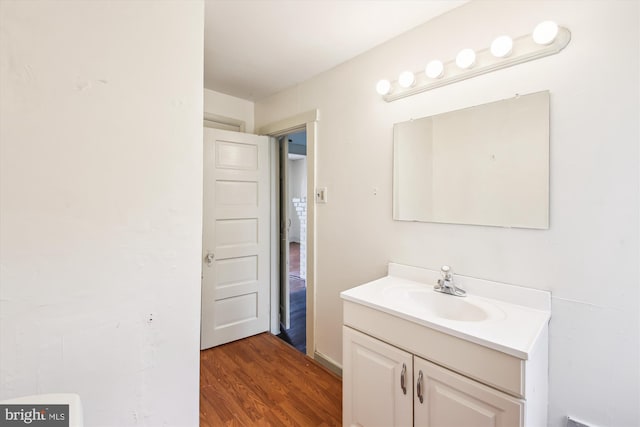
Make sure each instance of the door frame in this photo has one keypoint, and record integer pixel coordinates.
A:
(305, 121)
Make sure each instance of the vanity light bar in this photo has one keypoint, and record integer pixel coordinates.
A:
(525, 48)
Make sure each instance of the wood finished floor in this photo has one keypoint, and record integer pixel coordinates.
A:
(295, 281)
(296, 335)
(262, 381)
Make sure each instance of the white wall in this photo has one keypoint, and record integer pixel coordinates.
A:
(229, 106)
(589, 256)
(100, 203)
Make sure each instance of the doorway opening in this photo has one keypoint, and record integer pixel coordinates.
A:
(293, 239)
(308, 122)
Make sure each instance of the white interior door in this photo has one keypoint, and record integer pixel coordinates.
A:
(235, 269)
(285, 223)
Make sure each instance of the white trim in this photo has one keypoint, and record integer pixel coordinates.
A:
(308, 121)
(275, 237)
(312, 135)
(328, 363)
(291, 123)
(217, 121)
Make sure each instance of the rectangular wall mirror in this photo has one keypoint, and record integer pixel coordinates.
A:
(484, 165)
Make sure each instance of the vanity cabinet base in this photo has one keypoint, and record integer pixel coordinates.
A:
(386, 386)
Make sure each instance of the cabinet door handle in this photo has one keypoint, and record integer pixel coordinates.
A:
(420, 387)
(403, 379)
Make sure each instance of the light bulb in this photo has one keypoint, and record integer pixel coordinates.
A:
(383, 87)
(406, 79)
(434, 69)
(501, 46)
(545, 32)
(466, 58)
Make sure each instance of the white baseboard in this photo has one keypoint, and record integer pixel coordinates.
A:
(328, 363)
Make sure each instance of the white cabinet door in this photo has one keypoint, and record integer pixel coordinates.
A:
(377, 386)
(451, 400)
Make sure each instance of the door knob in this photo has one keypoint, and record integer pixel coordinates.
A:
(209, 258)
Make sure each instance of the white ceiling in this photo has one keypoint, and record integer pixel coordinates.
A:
(255, 48)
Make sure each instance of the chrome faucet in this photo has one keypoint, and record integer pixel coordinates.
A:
(446, 286)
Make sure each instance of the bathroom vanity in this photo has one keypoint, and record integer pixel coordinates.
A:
(416, 357)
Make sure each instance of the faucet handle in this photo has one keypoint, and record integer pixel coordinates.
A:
(446, 272)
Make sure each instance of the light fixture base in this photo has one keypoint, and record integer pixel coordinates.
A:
(524, 50)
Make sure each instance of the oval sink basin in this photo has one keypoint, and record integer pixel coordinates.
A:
(441, 305)
(455, 309)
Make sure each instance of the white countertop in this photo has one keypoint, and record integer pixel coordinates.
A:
(515, 316)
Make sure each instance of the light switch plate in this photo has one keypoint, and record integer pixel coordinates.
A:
(321, 195)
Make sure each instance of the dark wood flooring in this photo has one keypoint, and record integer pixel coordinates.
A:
(296, 335)
(262, 381)
(294, 258)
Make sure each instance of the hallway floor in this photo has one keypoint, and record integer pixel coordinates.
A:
(296, 335)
